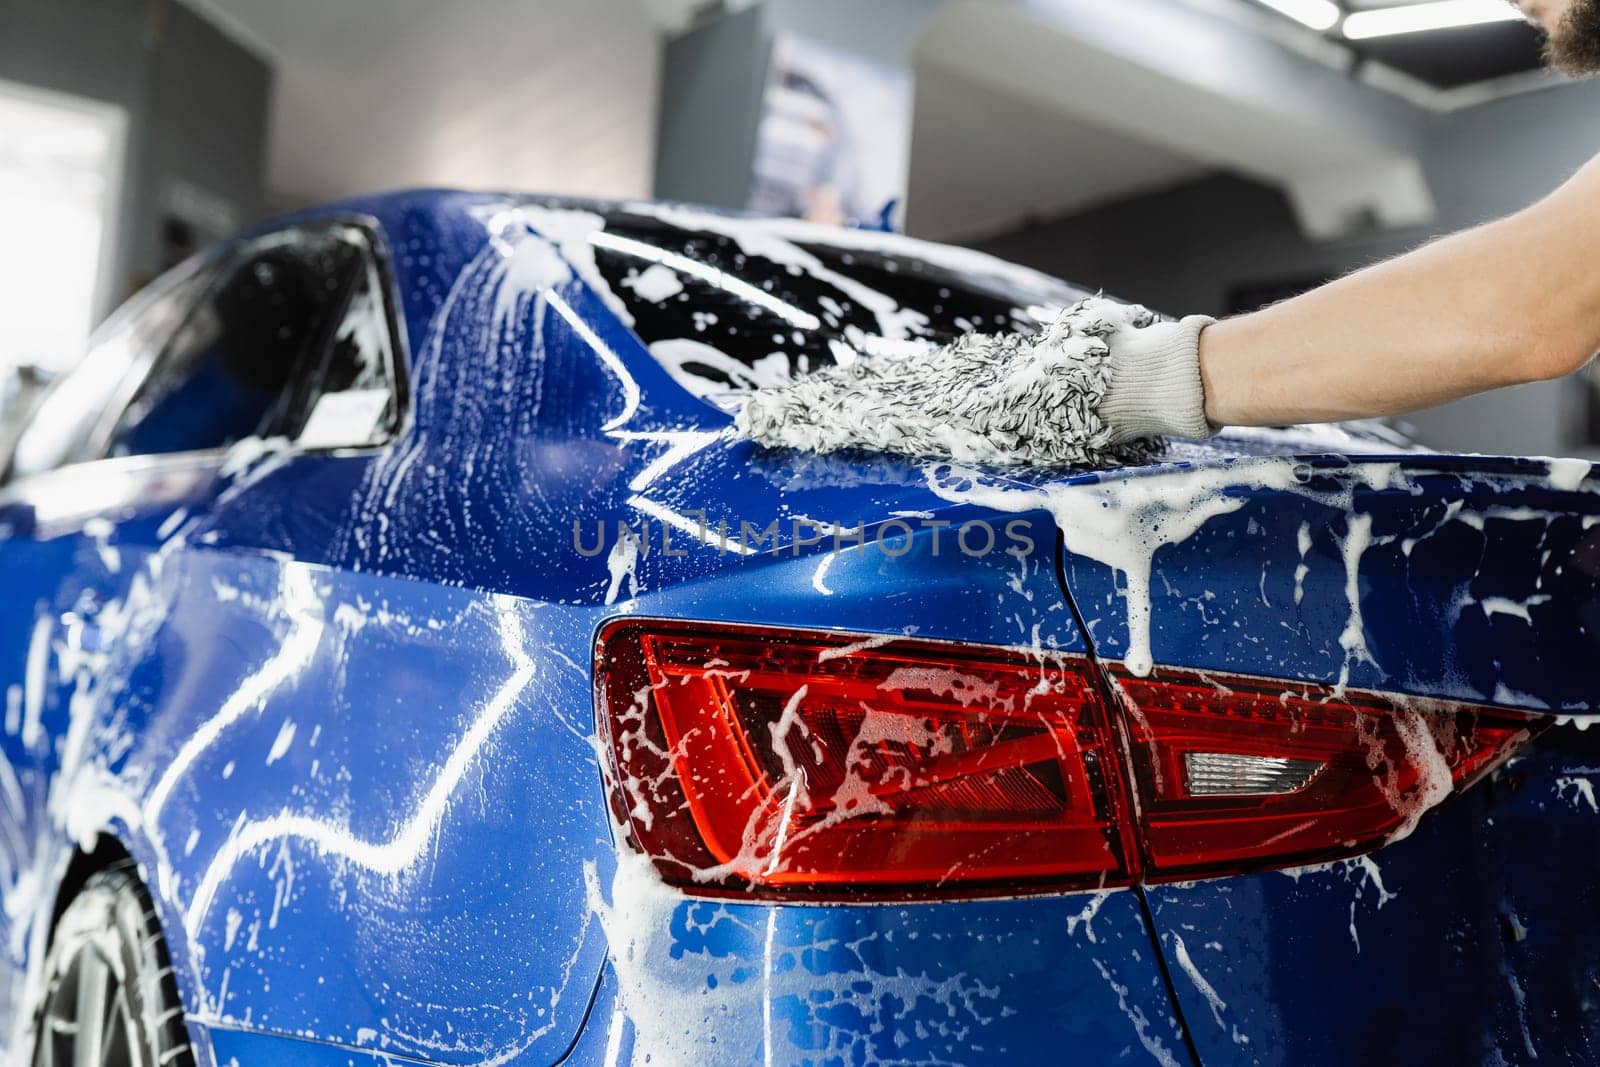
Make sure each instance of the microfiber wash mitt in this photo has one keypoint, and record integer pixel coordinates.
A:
(1096, 387)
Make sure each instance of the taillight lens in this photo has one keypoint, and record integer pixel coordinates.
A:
(1237, 773)
(812, 763)
(795, 762)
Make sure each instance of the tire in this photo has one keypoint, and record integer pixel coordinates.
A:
(109, 997)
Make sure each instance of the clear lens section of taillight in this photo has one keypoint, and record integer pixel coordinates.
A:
(1239, 773)
(780, 762)
(795, 762)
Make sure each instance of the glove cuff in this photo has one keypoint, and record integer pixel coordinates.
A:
(1154, 387)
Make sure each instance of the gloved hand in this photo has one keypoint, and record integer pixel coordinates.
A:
(1154, 387)
(1092, 388)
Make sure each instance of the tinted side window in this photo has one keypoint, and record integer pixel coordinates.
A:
(231, 369)
(349, 398)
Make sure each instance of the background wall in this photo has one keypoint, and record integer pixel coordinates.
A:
(196, 104)
(555, 97)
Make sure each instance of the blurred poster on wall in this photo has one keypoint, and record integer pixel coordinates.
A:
(834, 140)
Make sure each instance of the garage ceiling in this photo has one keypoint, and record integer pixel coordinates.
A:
(984, 161)
(1447, 58)
(378, 94)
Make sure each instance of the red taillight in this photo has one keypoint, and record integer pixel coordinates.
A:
(1236, 773)
(784, 761)
(775, 761)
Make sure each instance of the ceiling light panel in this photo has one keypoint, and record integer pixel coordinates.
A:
(1320, 15)
(1420, 18)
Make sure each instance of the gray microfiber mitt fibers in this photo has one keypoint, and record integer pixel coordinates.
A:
(1038, 400)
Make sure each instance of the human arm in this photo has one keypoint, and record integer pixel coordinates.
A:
(1513, 301)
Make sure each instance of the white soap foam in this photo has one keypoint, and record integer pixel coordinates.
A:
(655, 283)
(1123, 522)
(1568, 474)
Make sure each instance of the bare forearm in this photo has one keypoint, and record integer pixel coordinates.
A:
(1511, 302)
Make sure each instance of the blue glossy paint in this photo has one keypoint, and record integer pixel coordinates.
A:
(977, 981)
(1468, 942)
(235, 1048)
(1457, 553)
(339, 708)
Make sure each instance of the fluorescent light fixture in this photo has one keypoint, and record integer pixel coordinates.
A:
(1415, 18)
(1318, 14)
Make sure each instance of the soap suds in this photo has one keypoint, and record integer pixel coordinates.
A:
(1303, 541)
(569, 230)
(1085, 918)
(758, 237)
(680, 355)
(1123, 522)
(1499, 605)
(1141, 1023)
(682, 995)
(655, 284)
(1213, 1000)
(1363, 870)
(1568, 474)
(1353, 639)
(1582, 792)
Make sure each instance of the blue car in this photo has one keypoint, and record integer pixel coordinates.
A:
(404, 661)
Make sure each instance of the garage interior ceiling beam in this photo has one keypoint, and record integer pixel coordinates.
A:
(1104, 97)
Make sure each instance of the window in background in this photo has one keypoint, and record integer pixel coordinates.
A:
(350, 397)
(287, 335)
(63, 428)
(60, 172)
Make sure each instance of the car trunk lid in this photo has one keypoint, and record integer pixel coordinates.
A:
(1461, 578)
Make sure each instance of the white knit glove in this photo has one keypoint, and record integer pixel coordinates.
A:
(1154, 387)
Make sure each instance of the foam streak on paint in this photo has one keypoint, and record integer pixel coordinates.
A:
(1213, 1000)
(1353, 639)
(1141, 1022)
(1568, 474)
(679, 997)
(405, 845)
(1303, 541)
(1122, 522)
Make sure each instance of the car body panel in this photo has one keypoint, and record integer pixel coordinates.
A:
(369, 808)
(228, 1048)
(973, 981)
(355, 763)
(70, 575)
(1472, 580)
(1471, 941)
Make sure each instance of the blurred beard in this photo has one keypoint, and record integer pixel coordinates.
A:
(1574, 45)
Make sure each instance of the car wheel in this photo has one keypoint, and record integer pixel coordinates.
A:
(109, 996)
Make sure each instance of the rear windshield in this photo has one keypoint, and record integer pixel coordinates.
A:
(728, 303)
